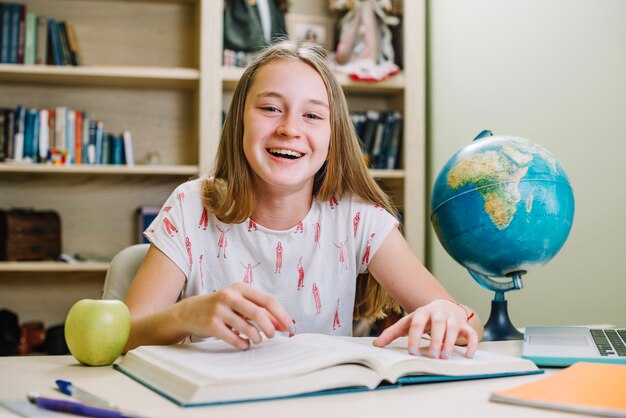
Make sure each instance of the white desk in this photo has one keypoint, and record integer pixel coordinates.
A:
(20, 375)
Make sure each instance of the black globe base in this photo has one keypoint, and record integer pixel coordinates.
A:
(499, 326)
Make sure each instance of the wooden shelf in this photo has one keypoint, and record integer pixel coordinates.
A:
(51, 266)
(394, 84)
(153, 77)
(153, 170)
(387, 174)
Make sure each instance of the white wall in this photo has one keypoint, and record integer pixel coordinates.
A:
(553, 71)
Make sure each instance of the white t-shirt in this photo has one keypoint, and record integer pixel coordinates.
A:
(311, 268)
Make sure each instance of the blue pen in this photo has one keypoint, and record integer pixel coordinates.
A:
(82, 395)
(75, 408)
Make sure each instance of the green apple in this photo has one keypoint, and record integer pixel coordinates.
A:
(96, 331)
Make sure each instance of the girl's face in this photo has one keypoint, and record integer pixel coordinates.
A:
(286, 125)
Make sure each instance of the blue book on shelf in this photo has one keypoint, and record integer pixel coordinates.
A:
(99, 141)
(31, 134)
(55, 43)
(5, 28)
(15, 18)
(117, 150)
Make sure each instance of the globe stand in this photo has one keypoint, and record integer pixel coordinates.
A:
(499, 326)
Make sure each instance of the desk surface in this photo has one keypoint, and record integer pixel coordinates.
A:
(20, 375)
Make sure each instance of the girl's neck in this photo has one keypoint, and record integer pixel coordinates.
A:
(280, 212)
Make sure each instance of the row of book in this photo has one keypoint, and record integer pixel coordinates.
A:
(26, 38)
(381, 137)
(60, 136)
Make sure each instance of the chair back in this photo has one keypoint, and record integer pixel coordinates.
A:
(122, 270)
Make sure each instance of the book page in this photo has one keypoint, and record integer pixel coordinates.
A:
(275, 357)
(395, 360)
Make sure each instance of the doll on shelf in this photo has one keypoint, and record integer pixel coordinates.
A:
(364, 50)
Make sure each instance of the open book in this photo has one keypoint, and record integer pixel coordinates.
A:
(213, 372)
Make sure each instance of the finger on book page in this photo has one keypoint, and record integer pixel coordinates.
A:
(399, 329)
(274, 310)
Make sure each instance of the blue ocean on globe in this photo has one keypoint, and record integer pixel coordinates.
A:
(502, 206)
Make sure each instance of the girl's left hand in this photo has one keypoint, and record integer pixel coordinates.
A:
(444, 320)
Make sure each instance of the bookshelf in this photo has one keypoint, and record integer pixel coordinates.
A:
(154, 68)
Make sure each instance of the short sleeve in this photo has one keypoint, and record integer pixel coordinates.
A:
(372, 224)
(167, 231)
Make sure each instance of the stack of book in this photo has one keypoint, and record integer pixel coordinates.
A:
(60, 136)
(381, 137)
(26, 38)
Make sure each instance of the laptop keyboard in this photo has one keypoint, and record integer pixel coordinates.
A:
(610, 342)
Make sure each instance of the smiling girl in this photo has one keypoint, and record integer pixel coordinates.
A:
(289, 232)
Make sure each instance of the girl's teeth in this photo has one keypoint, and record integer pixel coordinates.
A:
(285, 152)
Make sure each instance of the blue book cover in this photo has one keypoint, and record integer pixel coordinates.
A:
(55, 55)
(15, 17)
(5, 28)
(117, 150)
(31, 134)
(99, 141)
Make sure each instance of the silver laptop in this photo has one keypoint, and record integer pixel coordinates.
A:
(562, 346)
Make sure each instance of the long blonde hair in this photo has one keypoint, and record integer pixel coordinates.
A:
(229, 191)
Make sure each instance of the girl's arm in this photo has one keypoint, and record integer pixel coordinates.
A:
(431, 308)
(158, 319)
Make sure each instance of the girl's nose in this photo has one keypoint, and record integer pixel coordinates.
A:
(288, 127)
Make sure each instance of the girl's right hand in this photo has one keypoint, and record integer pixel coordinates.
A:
(234, 311)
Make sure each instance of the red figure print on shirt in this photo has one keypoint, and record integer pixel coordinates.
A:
(204, 219)
(201, 272)
(181, 197)
(317, 234)
(292, 333)
(336, 322)
(188, 247)
(300, 274)
(333, 202)
(279, 257)
(316, 298)
(252, 226)
(247, 278)
(222, 242)
(170, 228)
(341, 247)
(299, 228)
(366, 257)
(167, 208)
(355, 222)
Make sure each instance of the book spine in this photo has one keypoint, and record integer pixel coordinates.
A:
(30, 38)
(41, 50)
(70, 136)
(29, 135)
(44, 135)
(86, 122)
(14, 32)
(54, 52)
(20, 127)
(9, 133)
(129, 157)
(59, 129)
(91, 148)
(72, 44)
(65, 50)
(78, 138)
(99, 140)
(4, 33)
(393, 157)
(117, 150)
(21, 33)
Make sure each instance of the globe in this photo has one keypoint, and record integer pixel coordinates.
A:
(502, 206)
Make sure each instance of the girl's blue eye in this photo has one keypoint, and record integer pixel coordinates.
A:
(269, 108)
(312, 116)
